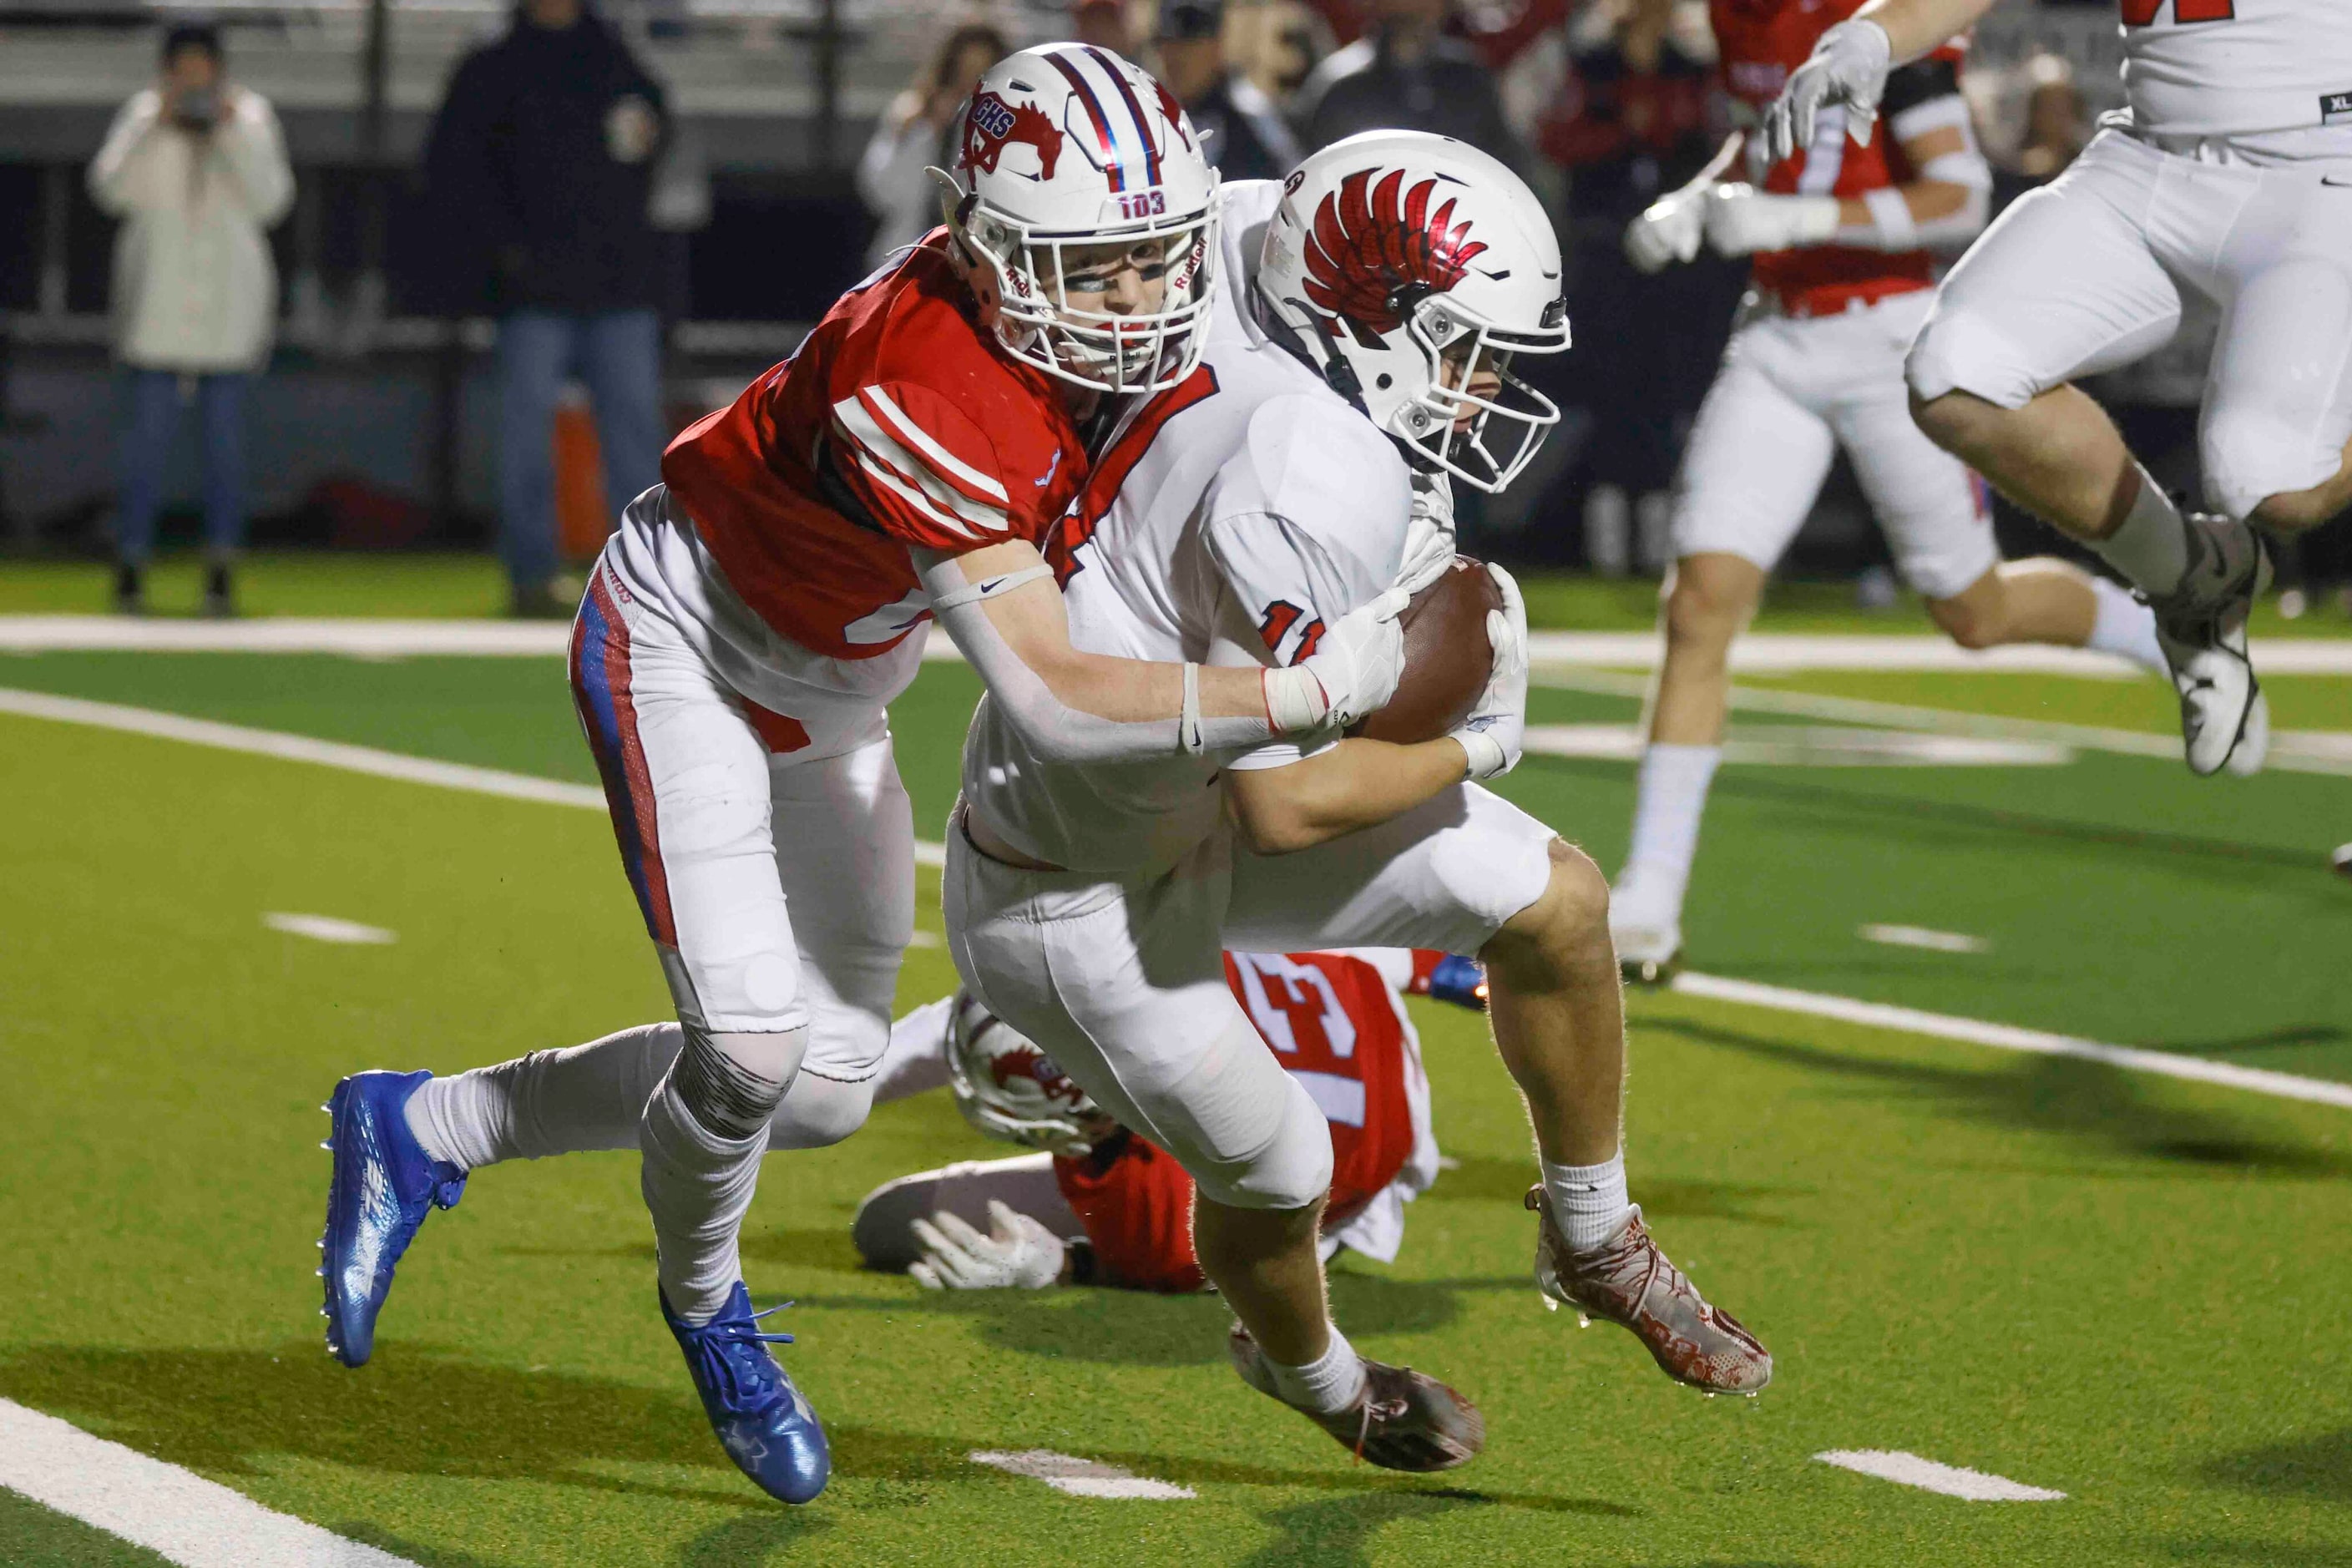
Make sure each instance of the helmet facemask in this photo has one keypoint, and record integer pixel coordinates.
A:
(1467, 385)
(1010, 1089)
(1046, 318)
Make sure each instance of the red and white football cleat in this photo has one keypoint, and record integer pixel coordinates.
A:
(1630, 1282)
(1404, 1420)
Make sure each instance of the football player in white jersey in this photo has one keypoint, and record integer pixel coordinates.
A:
(1378, 297)
(2228, 174)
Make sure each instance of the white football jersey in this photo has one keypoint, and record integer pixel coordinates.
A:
(1229, 520)
(2234, 67)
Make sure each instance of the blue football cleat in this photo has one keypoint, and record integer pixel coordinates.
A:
(382, 1186)
(762, 1421)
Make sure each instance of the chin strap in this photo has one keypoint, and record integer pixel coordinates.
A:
(1337, 372)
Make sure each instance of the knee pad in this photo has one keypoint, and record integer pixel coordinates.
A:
(1250, 1135)
(733, 1083)
(818, 1111)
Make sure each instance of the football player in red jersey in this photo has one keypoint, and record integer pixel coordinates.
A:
(1846, 239)
(741, 637)
(1103, 1204)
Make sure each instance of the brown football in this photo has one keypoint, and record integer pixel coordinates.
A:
(1447, 657)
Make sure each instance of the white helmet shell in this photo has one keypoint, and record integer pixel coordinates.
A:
(1066, 149)
(1395, 251)
(1008, 1088)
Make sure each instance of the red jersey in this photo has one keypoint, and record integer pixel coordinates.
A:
(897, 422)
(1335, 1024)
(1761, 42)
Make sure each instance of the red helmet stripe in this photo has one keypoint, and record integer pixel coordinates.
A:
(1112, 163)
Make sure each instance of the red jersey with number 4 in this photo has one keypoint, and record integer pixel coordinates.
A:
(1333, 1023)
(897, 423)
(1761, 42)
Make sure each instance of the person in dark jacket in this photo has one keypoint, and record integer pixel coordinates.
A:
(1240, 134)
(1406, 74)
(540, 163)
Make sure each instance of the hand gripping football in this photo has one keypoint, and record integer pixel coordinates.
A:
(1447, 658)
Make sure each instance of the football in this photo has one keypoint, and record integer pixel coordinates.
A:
(1447, 657)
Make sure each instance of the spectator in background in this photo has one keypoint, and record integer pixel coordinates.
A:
(1239, 132)
(1406, 74)
(1103, 24)
(542, 156)
(196, 170)
(917, 134)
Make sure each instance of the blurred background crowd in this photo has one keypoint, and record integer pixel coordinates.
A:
(384, 274)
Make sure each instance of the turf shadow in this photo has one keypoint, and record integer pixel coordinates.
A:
(1336, 1533)
(2260, 1553)
(2318, 1468)
(753, 1538)
(410, 1414)
(2049, 1094)
(1481, 1178)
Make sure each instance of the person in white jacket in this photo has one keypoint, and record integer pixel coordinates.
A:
(912, 137)
(195, 168)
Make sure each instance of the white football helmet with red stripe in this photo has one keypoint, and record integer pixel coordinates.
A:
(1009, 1088)
(1067, 150)
(1414, 266)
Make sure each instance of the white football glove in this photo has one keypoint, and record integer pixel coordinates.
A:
(1352, 671)
(1429, 535)
(1669, 228)
(1742, 220)
(1848, 66)
(1018, 1252)
(1493, 733)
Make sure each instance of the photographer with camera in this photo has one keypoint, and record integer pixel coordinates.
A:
(196, 170)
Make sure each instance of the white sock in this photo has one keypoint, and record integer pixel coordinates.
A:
(697, 1188)
(2152, 547)
(1670, 798)
(1328, 1383)
(548, 1102)
(1588, 1202)
(2125, 626)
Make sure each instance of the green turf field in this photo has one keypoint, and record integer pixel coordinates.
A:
(2113, 1285)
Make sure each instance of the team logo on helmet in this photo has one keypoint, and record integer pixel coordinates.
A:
(993, 124)
(1172, 112)
(1029, 1062)
(1374, 250)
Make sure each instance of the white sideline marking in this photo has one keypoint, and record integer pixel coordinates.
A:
(1081, 1477)
(1754, 653)
(327, 928)
(1920, 936)
(1811, 746)
(1911, 1470)
(523, 787)
(2010, 1037)
(175, 1512)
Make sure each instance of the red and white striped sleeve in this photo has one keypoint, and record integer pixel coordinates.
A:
(924, 471)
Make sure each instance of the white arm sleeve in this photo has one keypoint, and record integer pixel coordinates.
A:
(1052, 729)
(916, 1060)
(1892, 225)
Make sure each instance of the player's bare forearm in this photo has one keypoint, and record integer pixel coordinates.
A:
(1034, 622)
(1355, 784)
(1916, 27)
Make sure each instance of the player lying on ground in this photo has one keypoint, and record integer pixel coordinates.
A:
(741, 634)
(1103, 1204)
(1846, 239)
(1380, 294)
(2229, 176)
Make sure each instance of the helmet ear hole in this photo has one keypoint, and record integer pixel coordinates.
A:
(1385, 381)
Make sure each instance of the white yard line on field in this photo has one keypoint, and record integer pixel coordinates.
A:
(2010, 1037)
(1911, 1470)
(1923, 937)
(1081, 1477)
(327, 928)
(1756, 653)
(523, 787)
(2292, 750)
(174, 1512)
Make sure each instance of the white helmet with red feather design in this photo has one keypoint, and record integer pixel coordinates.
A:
(1009, 1088)
(1415, 267)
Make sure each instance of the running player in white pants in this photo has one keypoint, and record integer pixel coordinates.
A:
(2230, 174)
(1845, 240)
(741, 637)
(1090, 907)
